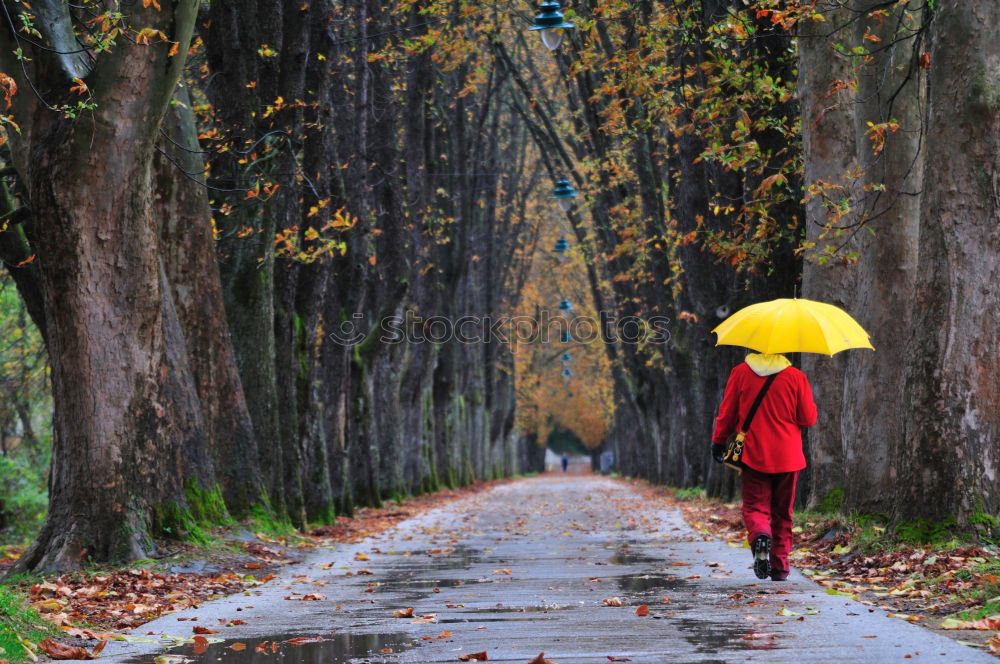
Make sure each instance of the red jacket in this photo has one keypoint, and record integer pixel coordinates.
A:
(774, 443)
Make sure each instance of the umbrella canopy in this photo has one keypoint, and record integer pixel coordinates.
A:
(792, 326)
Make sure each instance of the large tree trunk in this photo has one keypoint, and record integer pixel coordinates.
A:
(953, 386)
(242, 84)
(855, 445)
(829, 152)
(872, 423)
(181, 204)
(127, 427)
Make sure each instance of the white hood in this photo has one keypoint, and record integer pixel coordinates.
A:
(765, 364)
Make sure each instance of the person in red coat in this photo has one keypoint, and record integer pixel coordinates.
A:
(772, 452)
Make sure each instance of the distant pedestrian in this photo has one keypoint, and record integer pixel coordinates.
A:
(565, 462)
(772, 452)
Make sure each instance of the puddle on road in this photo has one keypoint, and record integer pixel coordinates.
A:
(626, 555)
(713, 637)
(340, 648)
(644, 583)
(479, 619)
(458, 557)
(413, 584)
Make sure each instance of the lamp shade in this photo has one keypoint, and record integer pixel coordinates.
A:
(550, 23)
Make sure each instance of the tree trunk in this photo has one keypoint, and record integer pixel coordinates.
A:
(181, 204)
(872, 423)
(949, 468)
(829, 152)
(127, 427)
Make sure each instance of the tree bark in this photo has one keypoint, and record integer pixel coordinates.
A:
(181, 205)
(127, 427)
(829, 153)
(952, 383)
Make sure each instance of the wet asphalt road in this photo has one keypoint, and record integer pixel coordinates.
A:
(524, 568)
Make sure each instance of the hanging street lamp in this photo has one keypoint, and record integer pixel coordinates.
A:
(551, 24)
(564, 193)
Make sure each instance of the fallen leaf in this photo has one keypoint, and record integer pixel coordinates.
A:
(299, 640)
(612, 601)
(238, 646)
(171, 659)
(403, 613)
(200, 645)
(541, 659)
(57, 650)
(313, 597)
(643, 610)
(474, 657)
(991, 623)
(198, 629)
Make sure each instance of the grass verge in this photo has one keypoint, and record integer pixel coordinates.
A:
(21, 627)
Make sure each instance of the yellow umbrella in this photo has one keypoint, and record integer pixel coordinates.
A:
(792, 326)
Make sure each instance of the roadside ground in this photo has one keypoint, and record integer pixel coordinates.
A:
(923, 584)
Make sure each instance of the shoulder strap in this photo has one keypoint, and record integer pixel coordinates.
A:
(756, 402)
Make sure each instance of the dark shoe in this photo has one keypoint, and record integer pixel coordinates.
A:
(779, 576)
(761, 549)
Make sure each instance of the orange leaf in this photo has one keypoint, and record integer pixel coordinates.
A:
(238, 646)
(541, 659)
(9, 88)
(200, 645)
(612, 601)
(80, 88)
(57, 650)
(198, 629)
(403, 613)
(299, 640)
(642, 611)
(474, 657)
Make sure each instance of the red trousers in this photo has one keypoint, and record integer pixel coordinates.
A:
(767, 510)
